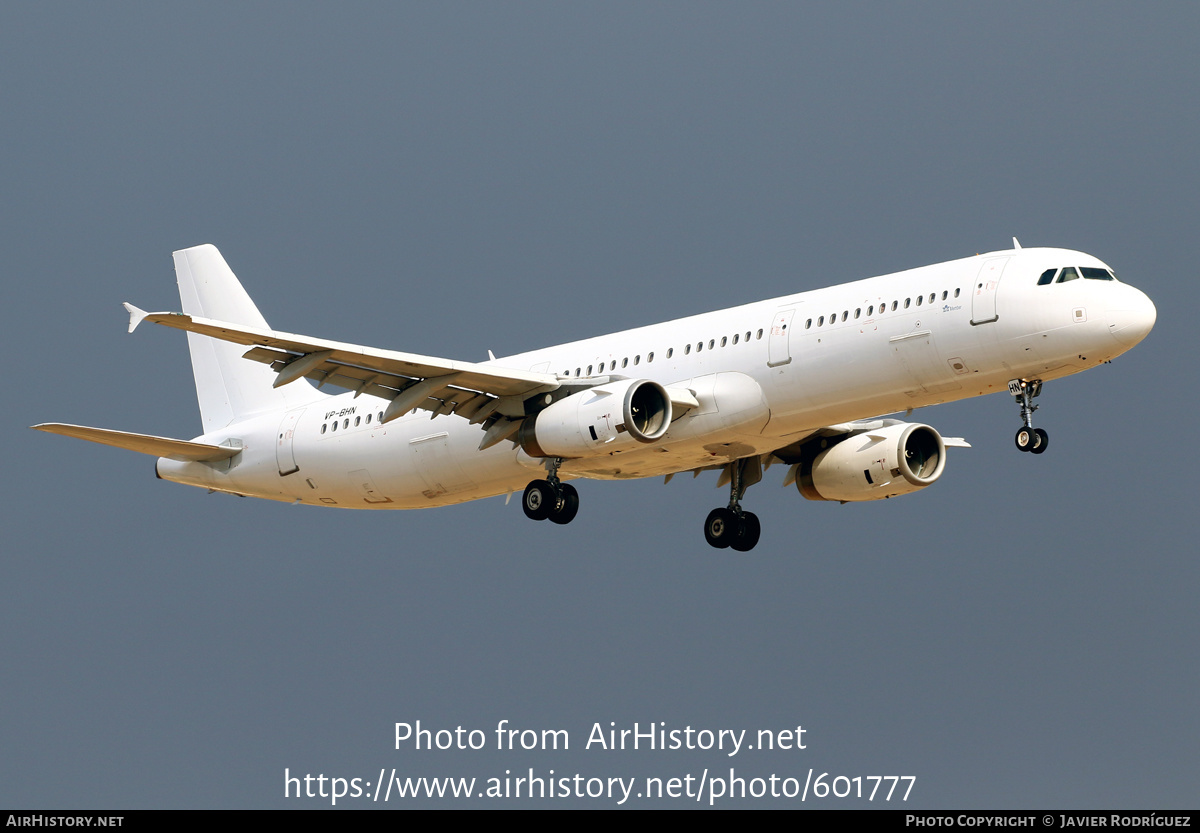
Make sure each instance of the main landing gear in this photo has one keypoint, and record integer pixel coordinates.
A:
(1028, 438)
(551, 498)
(730, 526)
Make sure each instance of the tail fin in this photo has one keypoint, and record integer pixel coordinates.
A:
(228, 386)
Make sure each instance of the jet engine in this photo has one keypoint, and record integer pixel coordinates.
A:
(893, 460)
(606, 418)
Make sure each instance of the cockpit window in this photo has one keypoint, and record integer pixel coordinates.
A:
(1096, 274)
(1047, 277)
(1068, 274)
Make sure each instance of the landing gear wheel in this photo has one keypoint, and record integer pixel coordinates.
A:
(566, 507)
(1025, 439)
(1028, 438)
(721, 528)
(1041, 441)
(748, 532)
(539, 499)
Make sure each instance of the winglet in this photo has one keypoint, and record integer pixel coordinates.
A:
(135, 316)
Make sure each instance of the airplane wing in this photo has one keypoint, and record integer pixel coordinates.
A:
(407, 379)
(182, 450)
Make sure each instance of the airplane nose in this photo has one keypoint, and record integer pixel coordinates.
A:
(1133, 321)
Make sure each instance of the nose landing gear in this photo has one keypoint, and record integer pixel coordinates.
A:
(731, 526)
(1028, 438)
(550, 498)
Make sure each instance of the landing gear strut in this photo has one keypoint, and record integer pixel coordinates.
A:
(551, 498)
(730, 526)
(1028, 438)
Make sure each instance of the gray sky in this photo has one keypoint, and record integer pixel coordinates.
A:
(446, 179)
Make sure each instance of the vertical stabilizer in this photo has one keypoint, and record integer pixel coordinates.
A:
(227, 386)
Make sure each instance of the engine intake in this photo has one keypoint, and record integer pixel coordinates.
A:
(890, 461)
(600, 420)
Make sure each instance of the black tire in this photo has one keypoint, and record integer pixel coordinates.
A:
(538, 500)
(720, 528)
(1042, 442)
(1025, 439)
(566, 507)
(748, 531)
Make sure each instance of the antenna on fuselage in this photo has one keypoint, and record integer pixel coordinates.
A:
(1016, 243)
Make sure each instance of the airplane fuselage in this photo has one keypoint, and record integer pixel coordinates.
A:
(764, 375)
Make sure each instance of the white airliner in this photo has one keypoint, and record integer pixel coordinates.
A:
(798, 380)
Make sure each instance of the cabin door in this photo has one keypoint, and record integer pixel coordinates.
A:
(778, 345)
(983, 294)
(284, 455)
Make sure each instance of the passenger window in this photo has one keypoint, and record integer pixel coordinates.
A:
(650, 358)
(956, 293)
(699, 346)
(845, 314)
(907, 302)
(870, 310)
(1068, 274)
(711, 342)
(920, 298)
(625, 362)
(357, 421)
(747, 335)
(323, 427)
(821, 321)
(858, 312)
(577, 372)
(589, 370)
(894, 303)
(333, 426)
(932, 297)
(759, 335)
(808, 324)
(724, 341)
(670, 352)
(369, 419)
(346, 424)
(637, 359)
(736, 336)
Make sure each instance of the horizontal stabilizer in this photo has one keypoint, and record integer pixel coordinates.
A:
(181, 450)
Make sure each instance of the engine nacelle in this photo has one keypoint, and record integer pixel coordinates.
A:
(606, 418)
(872, 465)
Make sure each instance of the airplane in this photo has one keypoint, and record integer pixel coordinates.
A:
(800, 380)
